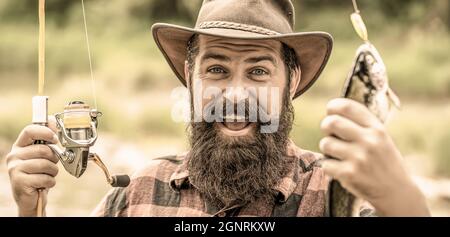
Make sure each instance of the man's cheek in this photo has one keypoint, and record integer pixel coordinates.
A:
(203, 98)
(270, 105)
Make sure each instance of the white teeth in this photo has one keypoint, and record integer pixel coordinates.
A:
(233, 118)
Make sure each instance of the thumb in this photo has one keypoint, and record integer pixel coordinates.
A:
(52, 123)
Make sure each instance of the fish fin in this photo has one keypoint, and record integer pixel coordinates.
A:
(394, 98)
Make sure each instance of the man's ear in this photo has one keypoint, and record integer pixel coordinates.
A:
(187, 77)
(296, 77)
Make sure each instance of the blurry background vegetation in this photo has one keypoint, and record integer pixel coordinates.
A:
(134, 83)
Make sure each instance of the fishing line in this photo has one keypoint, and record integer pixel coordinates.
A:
(89, 55)
(355, 6)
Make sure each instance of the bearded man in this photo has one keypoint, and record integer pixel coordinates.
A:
(244, 65)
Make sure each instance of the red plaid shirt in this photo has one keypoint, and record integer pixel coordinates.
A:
(163, 189)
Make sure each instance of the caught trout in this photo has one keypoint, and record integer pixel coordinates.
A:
(368, 84)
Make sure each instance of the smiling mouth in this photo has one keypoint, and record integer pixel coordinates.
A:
(235, 126)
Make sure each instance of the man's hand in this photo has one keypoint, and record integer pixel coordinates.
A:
(31, 167)
(369, 166)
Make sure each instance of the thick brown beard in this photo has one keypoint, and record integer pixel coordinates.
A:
(239, 170)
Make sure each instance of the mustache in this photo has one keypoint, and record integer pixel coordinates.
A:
(222, 109)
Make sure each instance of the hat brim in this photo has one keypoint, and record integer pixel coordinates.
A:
(312, 48)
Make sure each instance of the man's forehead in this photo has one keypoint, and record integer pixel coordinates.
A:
(269, 45)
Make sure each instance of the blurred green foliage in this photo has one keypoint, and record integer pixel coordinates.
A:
(185, 10)
(412, 35)
(134, 82)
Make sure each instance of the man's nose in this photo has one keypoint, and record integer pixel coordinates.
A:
(236, 94)
(236, 90)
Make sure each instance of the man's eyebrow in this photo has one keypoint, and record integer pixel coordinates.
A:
(261, 58)
(215, 56)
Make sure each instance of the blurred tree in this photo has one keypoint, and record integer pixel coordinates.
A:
(26, 10)
(166, 10)
(185, 10)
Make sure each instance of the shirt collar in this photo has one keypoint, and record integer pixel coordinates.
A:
(181, 175)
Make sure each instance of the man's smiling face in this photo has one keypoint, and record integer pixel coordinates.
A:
(232, 160)
(239, 71)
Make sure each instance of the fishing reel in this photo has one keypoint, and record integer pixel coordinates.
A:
(77, 133)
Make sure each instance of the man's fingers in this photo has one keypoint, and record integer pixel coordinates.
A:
(352, 110)
(33, 133)
(36, 152)
(339, 170)
(39, 166)
(37, 181)
(337, 148)
(52, 123)
(337, 125)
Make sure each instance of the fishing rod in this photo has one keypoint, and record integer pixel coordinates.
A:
(76, 125)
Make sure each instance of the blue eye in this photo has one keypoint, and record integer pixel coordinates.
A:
(259, 72)
(216, 70)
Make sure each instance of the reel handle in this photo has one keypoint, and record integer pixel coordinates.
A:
(120, 180)
(116, 180)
